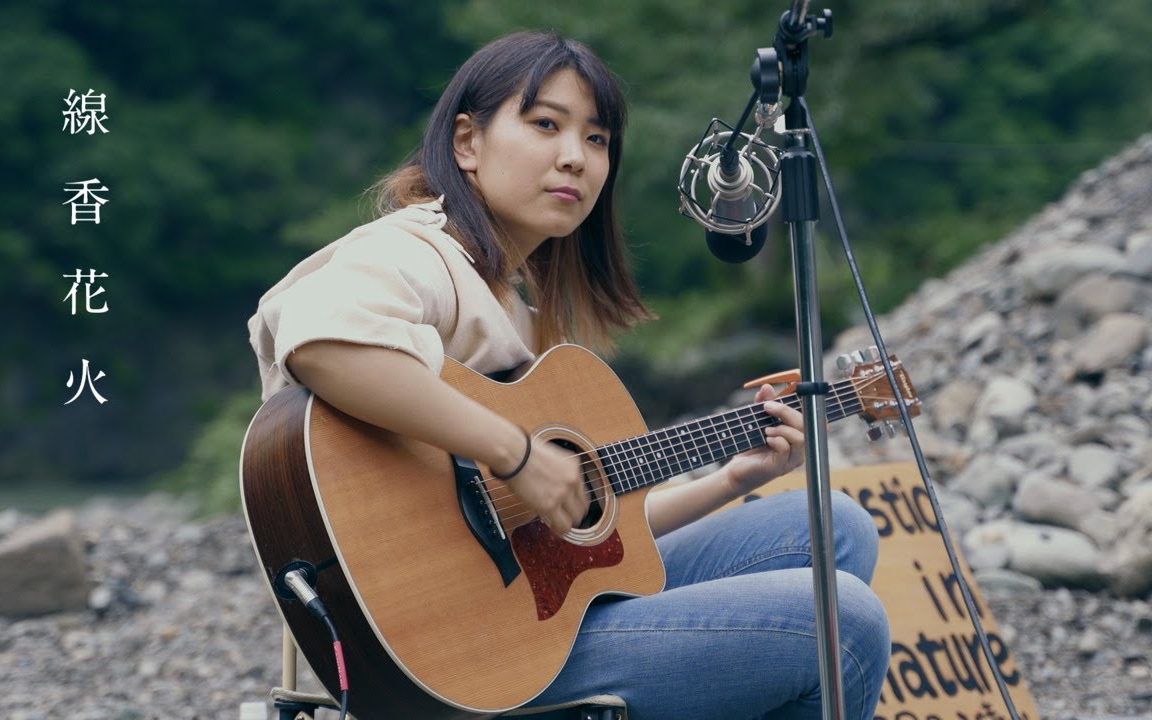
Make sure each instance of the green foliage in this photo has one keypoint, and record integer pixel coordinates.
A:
(209, 475)
(691, 319)
(240, 138)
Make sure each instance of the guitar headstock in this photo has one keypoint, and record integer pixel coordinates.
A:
(878, 404)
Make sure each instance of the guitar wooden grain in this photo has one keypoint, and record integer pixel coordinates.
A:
(428, 597)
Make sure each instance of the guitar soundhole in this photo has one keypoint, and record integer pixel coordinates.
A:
(594, 485)
(595, 510)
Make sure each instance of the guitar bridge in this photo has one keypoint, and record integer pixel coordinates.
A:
(480, 517)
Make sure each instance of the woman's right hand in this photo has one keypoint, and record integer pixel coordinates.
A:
(392, 389)
(552, 485)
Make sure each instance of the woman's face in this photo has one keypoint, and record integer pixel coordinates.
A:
(539, 172)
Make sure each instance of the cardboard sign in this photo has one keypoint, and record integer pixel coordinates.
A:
(938, 670)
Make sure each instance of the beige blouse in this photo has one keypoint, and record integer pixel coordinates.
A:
(399, 282)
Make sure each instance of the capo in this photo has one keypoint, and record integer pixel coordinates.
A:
(788, 378)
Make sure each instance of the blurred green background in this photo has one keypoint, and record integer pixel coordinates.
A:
(243, 134)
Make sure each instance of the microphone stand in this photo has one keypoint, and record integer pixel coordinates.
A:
(783, 70)
(801, 208)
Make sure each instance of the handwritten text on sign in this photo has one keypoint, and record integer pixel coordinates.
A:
(938, 670)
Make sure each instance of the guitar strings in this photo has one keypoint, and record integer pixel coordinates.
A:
(748, 439)
(617, 462)
(612, 462)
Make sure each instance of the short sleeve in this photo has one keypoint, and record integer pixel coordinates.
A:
(388, 289)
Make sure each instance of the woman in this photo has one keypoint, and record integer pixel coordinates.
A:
(499, 241)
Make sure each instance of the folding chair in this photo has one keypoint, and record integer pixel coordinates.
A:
(291, 704)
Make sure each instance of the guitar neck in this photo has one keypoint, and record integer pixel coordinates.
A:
(660, 455)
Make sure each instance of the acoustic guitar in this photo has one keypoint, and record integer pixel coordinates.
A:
(451, 598)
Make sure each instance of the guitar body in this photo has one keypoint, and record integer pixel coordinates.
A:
(430, 627)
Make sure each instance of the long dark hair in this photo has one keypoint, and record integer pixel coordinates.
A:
(579, 284)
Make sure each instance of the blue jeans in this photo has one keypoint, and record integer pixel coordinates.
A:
(733, 635)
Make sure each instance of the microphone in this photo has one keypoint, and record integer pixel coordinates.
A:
(729, 184)
(732, 203)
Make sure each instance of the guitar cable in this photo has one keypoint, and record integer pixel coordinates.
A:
(854, 271)
(297, 581)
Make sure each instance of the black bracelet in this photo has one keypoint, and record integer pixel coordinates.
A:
(523, 461)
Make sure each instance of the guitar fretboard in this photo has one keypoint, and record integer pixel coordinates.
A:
(660, 455)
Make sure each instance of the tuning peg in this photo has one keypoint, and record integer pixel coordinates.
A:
(871, 354)
(890, 428)
(874, 433)
(848, 360)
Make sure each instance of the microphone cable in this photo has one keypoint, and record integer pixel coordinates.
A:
(296, 580)
(969, 602)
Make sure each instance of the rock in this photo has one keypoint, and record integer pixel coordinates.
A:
(1003, 580)
(1111, 343)
(938, 448)
(1131, 437)
(162, 659)
(1094, 466)
(989, 480)
(1055, 556)
(1046, 273)
(989, 557)
(1088, 429)
(1089, 643)
(1100, 525)
(1042, 499)
(100, 599)
(1112, 399)
(1137, 241)
(148, 668)
(982, 435)
(960, 513)
(983, 330)
(988, 544)
(952, 406)
(1129, 564)
(43, 567)
(1139, 255)
(1006, 401)
(1035, 449)
(1091, 298)
(1039, 350)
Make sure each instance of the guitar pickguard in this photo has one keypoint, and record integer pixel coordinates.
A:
(552, 564)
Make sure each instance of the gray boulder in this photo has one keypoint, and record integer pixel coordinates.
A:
(43, 567)
(1045, 274)
(952, 406)
(1005, 402)
(1052, 555)
(1002, 580)
(990, 480)
(1094, 466)
(1091, 298)
(1048, 501)
(1110, 343)
(1055, 556)
(1129, 564)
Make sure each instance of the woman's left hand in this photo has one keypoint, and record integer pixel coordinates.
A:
(782, 453)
